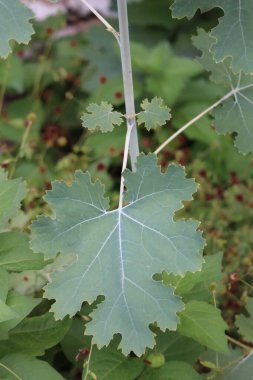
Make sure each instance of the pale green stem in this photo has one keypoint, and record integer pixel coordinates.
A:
(108, 26)
(128, 80)
(10, 371)
(194, 120)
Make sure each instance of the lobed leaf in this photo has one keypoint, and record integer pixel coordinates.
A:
(232, 36)
(154, 113)
(15, 25)
(236, 112)
(119, 251)
(101, 116)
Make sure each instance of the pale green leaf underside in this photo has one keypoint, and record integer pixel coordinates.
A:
(27, 368)
(154, 113)
(203, 323)
(101, 116)
(236, 113)
(11, 193)
(233, 34)
(14, 24)
(119, 251)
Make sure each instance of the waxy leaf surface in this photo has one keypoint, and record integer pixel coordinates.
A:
(119, 251)
(15, 25)
(236, 111)
(233, 34)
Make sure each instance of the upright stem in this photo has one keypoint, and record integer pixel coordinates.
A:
(128, 80)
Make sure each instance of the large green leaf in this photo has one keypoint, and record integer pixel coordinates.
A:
(119, 251)
(11, 194)
(236, 111)
(34, 335)
(174, 370)
(21, 306)
(109, 364)
(15, 253)
(203, 323)
(15, 25)
(196, 286)
(233, 34)
(176, 347)
(20, 366)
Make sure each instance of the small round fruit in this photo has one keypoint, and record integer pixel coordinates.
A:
(156, 359)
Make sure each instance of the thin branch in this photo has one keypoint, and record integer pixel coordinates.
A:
(237, 343)
(191, 122)
(108, 26)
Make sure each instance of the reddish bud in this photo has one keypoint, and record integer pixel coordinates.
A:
(239, 198)
(100, 167)
(102, 79)
(118, 95)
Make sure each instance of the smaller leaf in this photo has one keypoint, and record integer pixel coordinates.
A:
(101, 116)
(203, 323)
(154, 114)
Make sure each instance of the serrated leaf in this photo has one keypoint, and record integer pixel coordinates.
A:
(15, 253)
(236, 112)
(101, 116)
(12, 191)
(15, 25)
(27, 368)
(173, 370)
(154, 114)
(119, 251)
(233, 34)
(22, 306)
(245, 324)
(34, 335)
(203, 323)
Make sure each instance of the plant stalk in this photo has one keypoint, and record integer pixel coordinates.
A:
(191, 122)
(128, 80)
